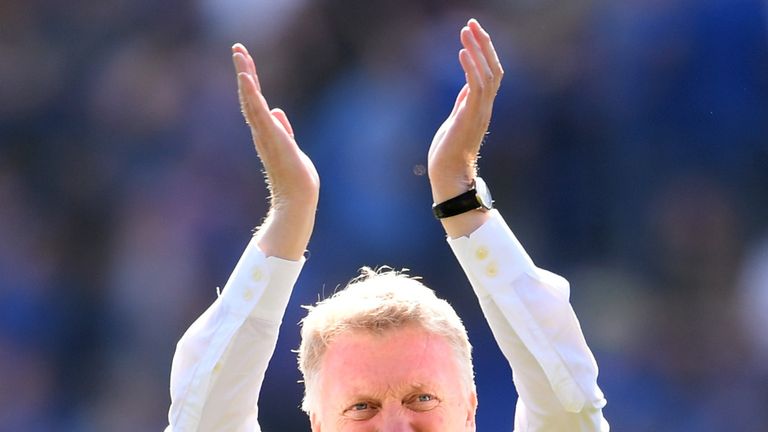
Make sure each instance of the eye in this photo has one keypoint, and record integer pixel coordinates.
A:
(422, 402)
(360, 411)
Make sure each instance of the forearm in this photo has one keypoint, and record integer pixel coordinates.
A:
(220, 361)
(532, 320)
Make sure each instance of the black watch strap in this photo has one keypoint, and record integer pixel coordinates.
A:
(477, 197)
(457, 205)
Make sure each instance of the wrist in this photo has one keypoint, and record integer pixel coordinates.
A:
(461, 207)
(285, 233)
(445, 189)
(299, 203)
(448, 183)
(288, 227)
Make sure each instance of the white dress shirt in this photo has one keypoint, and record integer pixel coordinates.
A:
(220, 361)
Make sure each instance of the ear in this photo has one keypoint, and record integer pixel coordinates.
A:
(471, 411)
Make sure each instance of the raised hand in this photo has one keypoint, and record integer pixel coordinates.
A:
(291, 177)
(453, 154)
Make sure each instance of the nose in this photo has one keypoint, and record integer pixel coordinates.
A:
(396, 426)
(395, 420)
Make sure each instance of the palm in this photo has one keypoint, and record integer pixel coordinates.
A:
(454, 148)
(290, 172)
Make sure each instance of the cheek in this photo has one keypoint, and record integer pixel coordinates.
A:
(450, 418)
(343, 424)
(441, 419)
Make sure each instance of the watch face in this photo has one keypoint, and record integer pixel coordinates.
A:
(483, 194)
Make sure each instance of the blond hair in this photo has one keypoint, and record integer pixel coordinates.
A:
(377, 301)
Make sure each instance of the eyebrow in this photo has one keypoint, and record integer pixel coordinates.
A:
(410, 388)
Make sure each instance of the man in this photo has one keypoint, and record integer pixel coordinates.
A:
(385, 354)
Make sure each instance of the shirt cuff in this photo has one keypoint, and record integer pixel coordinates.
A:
(493, 240)
(260, 286)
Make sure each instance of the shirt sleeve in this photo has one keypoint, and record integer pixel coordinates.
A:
(219, 364)
(530, 315)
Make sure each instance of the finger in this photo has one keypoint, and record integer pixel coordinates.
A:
(251, 63)
(253, 104)
(471, 44)
(484, 39)
(283, 119)
(241, 64)
(240, 48)
(474, 83)
(244, 62)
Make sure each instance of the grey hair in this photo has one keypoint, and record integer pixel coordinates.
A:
(377, 301)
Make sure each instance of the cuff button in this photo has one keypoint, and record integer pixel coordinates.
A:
(248, 294)
(492, 269)
(481, 253)
(256, 274)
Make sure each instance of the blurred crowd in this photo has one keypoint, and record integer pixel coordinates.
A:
(628, 150)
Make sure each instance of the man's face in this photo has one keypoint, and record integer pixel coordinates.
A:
(402, 380)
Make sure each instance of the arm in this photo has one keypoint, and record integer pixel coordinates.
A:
(527, 308)
(536, 328)
(219, 364)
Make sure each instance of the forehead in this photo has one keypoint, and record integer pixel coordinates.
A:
(404, 358)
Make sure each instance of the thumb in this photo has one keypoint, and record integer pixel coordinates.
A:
(459, 99)
(281, 117)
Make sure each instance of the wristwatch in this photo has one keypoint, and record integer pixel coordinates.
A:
(479, 197)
